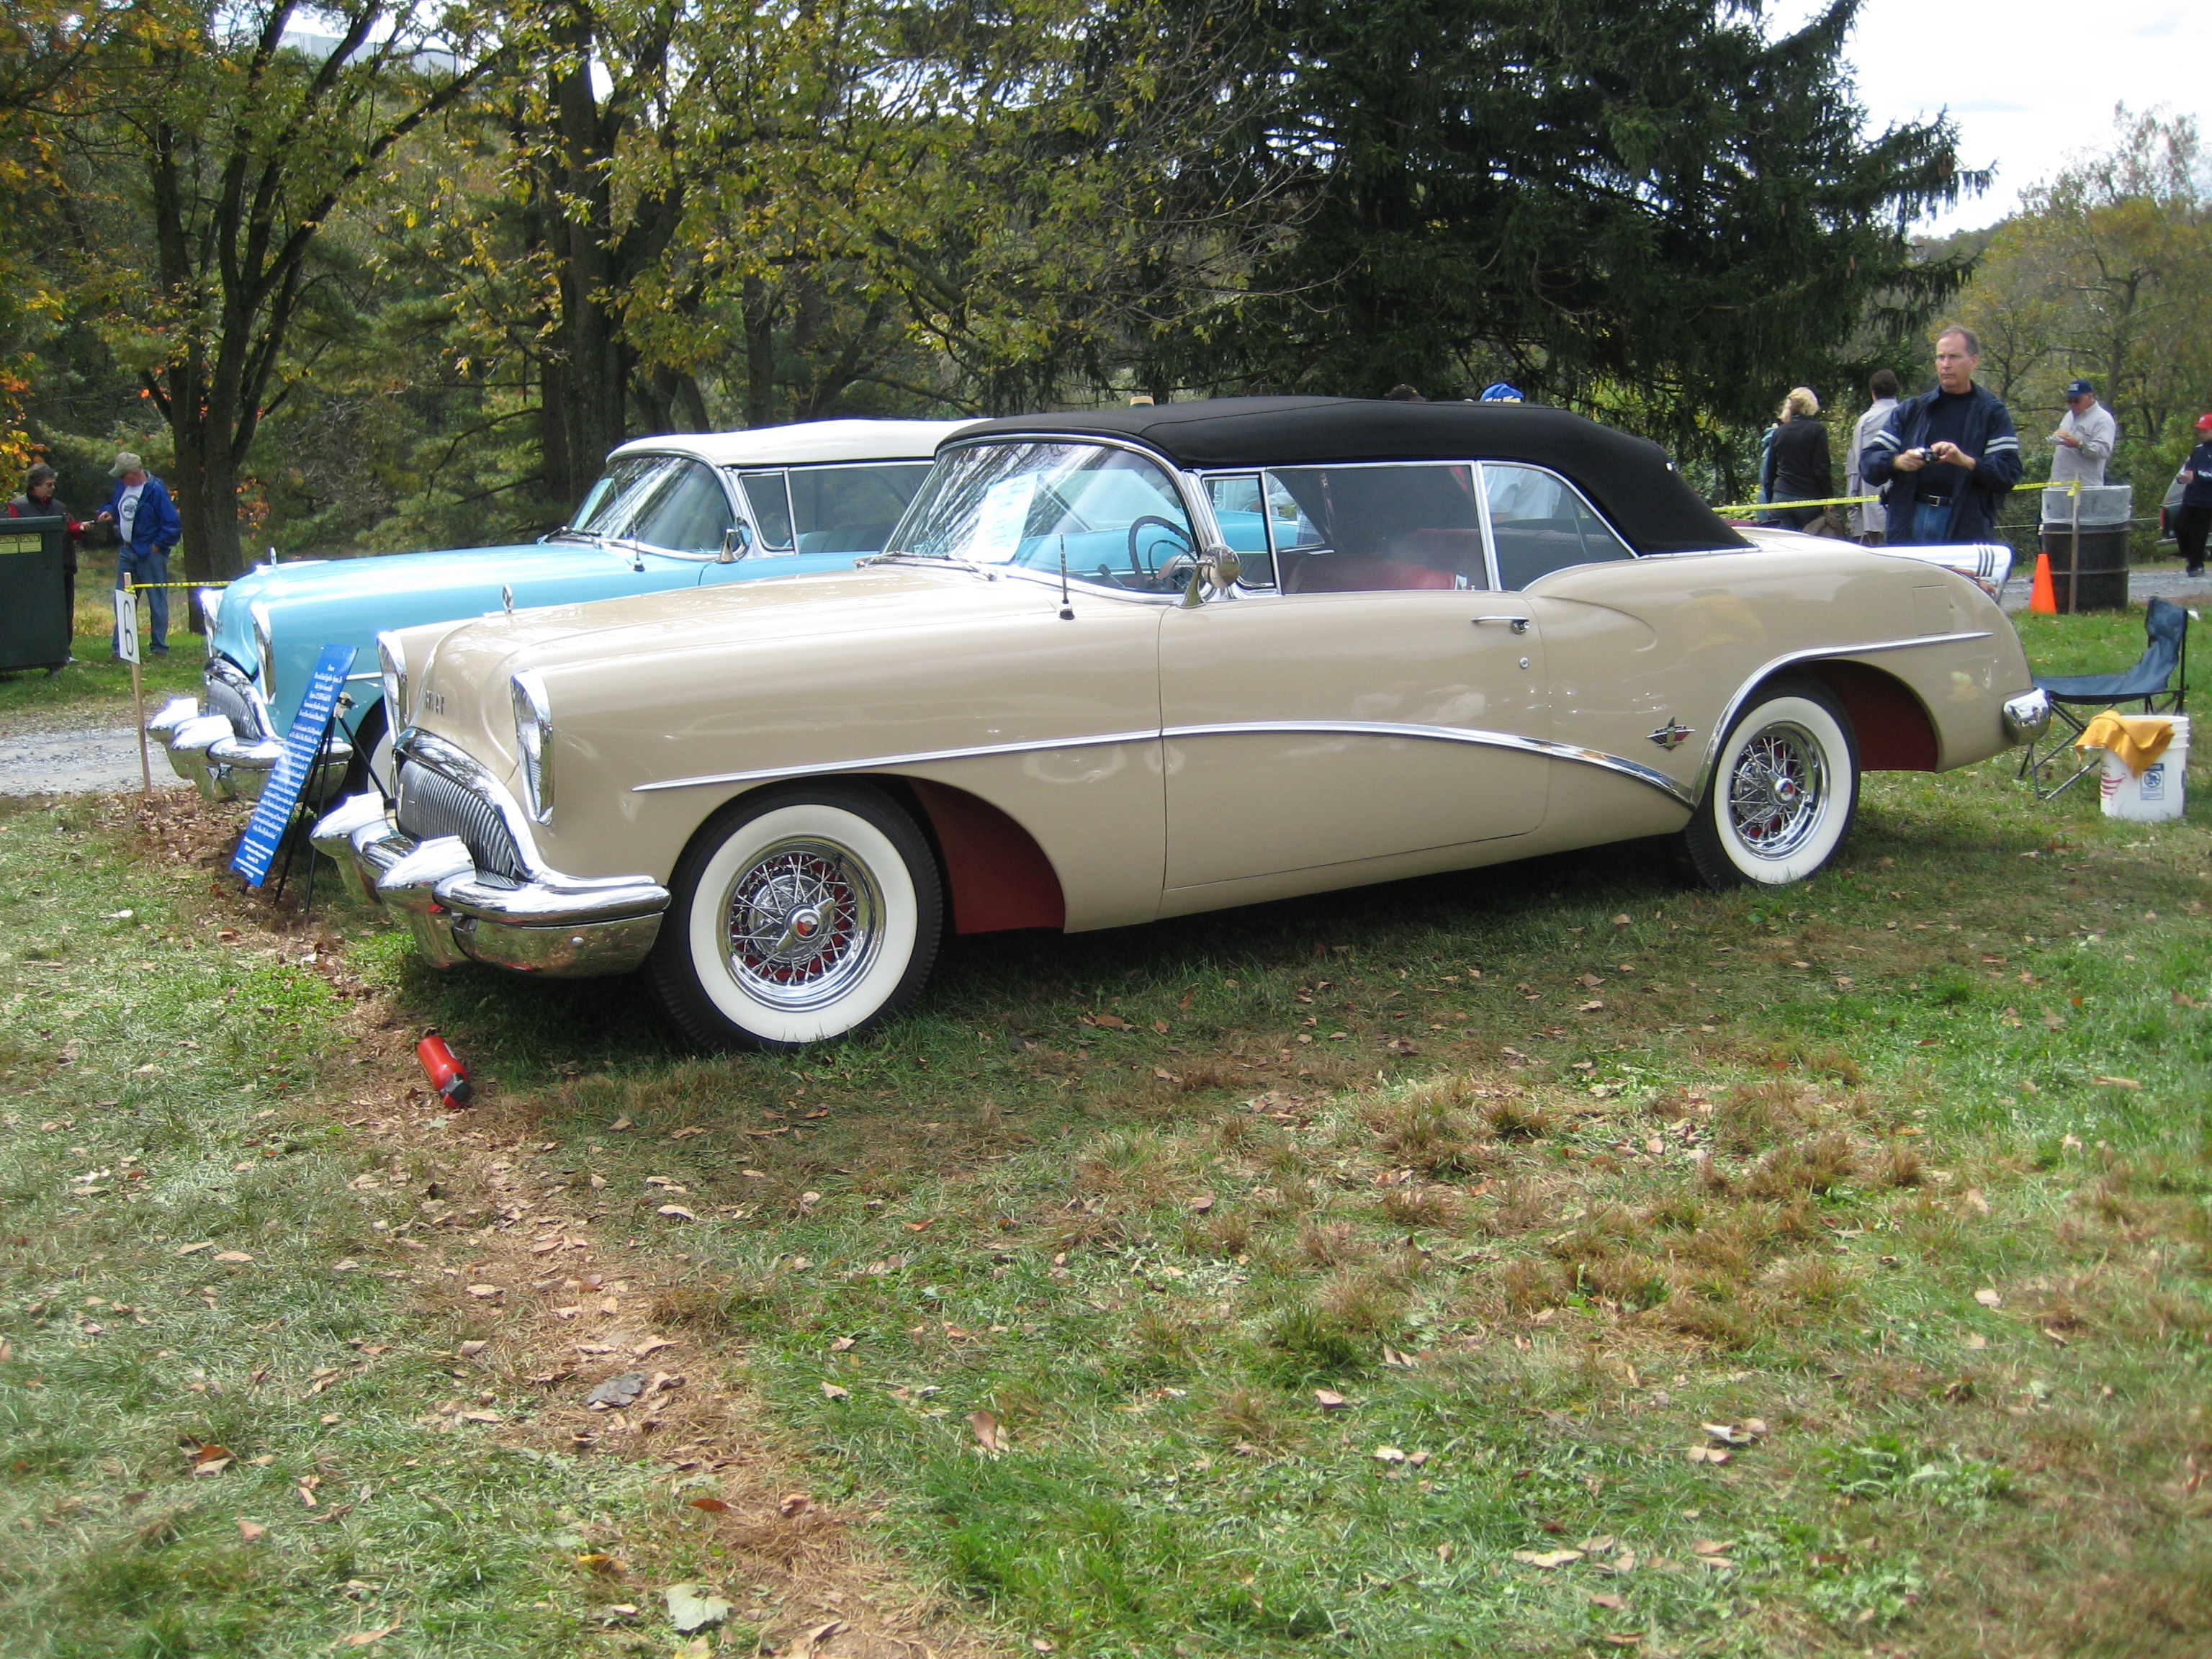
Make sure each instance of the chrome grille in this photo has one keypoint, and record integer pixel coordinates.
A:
(431, 804)
(233, 705)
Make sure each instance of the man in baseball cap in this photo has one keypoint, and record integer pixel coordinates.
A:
(146, 528)
(2085, 437)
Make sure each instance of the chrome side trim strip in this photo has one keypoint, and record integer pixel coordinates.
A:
(768, 774)
(1735, 705)
(1566, 751)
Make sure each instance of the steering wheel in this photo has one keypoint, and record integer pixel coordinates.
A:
(1144, 576)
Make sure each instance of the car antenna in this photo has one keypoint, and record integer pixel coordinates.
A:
(1066, 610)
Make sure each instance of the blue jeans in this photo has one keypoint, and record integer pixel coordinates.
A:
(1930, 525)
(150, 566)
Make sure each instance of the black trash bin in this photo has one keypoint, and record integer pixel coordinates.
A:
(34, 619)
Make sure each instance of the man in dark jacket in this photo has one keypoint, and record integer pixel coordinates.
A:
(38, 500)
(146, 528)
(1946, 459)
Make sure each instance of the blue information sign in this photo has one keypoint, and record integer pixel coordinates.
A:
(257, 848)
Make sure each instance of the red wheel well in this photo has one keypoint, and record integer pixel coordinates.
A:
(1894, 732)
(996, 875)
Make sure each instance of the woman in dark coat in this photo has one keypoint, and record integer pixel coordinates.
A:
(1799, 469)
(38, 500)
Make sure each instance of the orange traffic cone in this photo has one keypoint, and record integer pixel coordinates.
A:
(2043, 599)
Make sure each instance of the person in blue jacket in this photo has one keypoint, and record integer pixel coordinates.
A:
(1946, 458)
(146, 528)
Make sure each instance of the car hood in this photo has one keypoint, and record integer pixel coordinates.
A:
(460, 690)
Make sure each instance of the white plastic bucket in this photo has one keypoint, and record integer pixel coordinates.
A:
(2156, 794)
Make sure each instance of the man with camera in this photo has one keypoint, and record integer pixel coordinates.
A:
(1944, 459)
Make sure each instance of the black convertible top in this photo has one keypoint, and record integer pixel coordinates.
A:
(1628, 479)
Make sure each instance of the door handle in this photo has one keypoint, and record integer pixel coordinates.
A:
(1519, 624)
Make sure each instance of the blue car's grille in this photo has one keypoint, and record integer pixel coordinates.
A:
(431, 804)
(233, 705)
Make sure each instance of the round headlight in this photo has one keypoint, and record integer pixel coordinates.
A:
(266, 647)
(392, 668)
(533, 737)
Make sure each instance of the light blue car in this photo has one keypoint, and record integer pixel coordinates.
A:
(675, 512)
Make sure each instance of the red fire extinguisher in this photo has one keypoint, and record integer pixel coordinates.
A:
(446, 1073)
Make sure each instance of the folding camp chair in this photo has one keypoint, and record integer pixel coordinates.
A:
(2159, 683)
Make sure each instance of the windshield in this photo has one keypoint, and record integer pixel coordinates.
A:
(623, 488)
(1115, 516)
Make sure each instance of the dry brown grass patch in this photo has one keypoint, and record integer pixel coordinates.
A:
(1362, 1302)
(1332, 1245)
(1411, 1205)
(1253, 1415)
(1817, 1164)
(1756, 1115)
(1530, 1286)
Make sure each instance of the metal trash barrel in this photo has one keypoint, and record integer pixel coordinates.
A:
(2086, 534)
(34, 619)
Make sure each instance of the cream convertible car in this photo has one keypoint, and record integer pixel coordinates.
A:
(1152, 662)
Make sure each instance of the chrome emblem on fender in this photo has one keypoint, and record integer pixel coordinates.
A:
(1669, 737)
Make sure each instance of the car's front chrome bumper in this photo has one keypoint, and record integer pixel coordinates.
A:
(552, 925)
(208, 751)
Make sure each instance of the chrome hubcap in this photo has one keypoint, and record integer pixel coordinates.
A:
(805, 923)
(1776, 789)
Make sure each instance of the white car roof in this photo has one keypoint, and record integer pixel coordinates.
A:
(804, 442)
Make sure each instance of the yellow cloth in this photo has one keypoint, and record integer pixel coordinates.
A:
(2137, 740)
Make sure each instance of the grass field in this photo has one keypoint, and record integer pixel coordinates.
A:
(1550, 1260)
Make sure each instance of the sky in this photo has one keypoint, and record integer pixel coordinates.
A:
(2029, 83)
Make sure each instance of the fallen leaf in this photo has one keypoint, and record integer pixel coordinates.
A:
(1712, 1546)
(653, 1345)
(1621, 920)
(472, 1348)
(230, 1255)
(621, 1123)
(479, 1417)
(842, 1344)
(1590, 982)
(808, 1645)
(2106, 1082)
(1112, 1021)
(1976, 1340)
(362, 1638)
(194, 1249)
(1547, 1559)
(678, 1210)
(1597, 1545)
(683, 1134)
(794, 1504)
(1389, 1454)
(833, 1391)
(251, 1531)
(988, 1435)
(1728, 1434)
(618, 1390)
(1989, 1298)
(483, 1291)
(1624, 1639)
(712, 1505)
(1611, 1603)
(1202, 1203)
(1040, 1645)
(694, 1607)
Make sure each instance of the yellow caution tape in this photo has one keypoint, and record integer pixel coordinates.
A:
(2072, 487)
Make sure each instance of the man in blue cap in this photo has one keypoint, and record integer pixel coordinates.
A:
(2085, 437)
(146, 528)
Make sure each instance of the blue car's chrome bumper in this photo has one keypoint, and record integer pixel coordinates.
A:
(553, 924)
(229, 751)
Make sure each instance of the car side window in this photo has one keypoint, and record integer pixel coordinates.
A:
(1540, 523)
(1240, 511)
(687, 514)
(768, 499)
(1370, 529)
(849, 509)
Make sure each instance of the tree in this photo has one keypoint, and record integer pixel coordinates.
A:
(1592, 199)
(243, 143)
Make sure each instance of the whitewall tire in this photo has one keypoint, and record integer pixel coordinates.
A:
(798, 915)
(1785, 788)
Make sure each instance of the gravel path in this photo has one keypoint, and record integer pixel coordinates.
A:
(78, 761)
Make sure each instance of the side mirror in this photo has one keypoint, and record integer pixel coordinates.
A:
(1217, 570)
(737, 542)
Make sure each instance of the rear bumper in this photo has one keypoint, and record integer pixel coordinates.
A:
(223, 764)
(557, 926)
(2027, 716)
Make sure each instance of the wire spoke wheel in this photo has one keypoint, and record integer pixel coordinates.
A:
(804, 921)
(1776, 788)
(1785, 789)
(798, 915)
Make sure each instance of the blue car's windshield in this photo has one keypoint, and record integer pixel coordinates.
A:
(612, 504)
(1114, 516)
